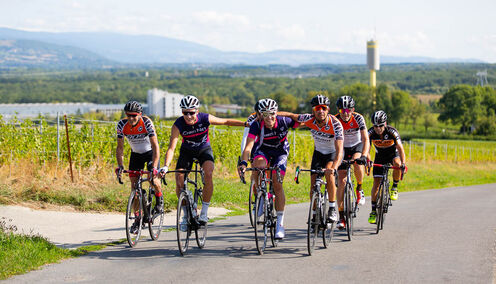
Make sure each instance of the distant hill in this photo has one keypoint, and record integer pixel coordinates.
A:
(145, 49)
(31, 53)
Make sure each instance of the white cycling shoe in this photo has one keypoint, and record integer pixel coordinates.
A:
(279, 232)
(203, 219)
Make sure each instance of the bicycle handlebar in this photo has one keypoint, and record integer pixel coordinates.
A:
(277, 169)
(312, 171)
(389, 166)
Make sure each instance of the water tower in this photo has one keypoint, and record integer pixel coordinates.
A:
(372, 60)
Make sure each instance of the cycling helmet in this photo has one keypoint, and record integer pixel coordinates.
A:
(189, 102)
(320, 100)
(379, 117)
(133, 106)
(267, 105)
(345, 102)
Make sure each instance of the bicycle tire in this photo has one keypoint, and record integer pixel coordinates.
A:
(261, 228)
(272, 223)
(348, 210)
(313, 223)
(201, 231)
(385, 204)
(133, 238)
(328, 229)
(183, 209)
(353, 208)
(251, 204)
(379, 208)
(155, 220)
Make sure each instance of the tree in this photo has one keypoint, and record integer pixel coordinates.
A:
(401, 102)
(461, 104)
(285, 101)
(429, 121)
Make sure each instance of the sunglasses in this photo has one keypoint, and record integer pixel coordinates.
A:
(320, 107)
(189, 113)
(345, 110)
(268, 114)
(379, 125)
(131, 114)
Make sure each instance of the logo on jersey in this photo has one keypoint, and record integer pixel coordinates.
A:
(386, 136)
(140, 128)
(327, 127)
(351, 124)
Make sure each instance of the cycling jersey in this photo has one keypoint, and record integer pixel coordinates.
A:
(139, 135)
(352, 128)
(275, 138)
(385, 144)
(324, 136)
(195, 137)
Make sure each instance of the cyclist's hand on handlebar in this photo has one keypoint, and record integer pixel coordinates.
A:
(331, 170)
(242, 166)
(162, 171)
(362, 160)
(119, 170)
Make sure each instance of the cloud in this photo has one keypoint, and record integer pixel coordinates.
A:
(220, 19)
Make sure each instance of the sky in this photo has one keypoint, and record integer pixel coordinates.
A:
(439, 29)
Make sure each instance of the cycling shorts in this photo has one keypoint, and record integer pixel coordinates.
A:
(349, 152)
(273, 158)
(320, 161)
(137, 161)
(186, 156)
(382, 159)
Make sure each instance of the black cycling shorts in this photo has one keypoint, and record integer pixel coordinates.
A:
(320, 161)
(384, 158)
(137, 161)
(349, 152)
(186, 156)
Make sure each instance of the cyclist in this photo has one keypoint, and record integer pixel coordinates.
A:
(253, 117)
(272, 149)
(356, 147)
(193, 126)
(140, 133)
(389, 149)
(327, 134)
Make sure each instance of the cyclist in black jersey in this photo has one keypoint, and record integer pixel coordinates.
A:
(389, 149)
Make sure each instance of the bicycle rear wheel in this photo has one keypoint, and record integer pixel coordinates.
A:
(156, 220)
(133, 234)
(328, 230)
(313, 223)
(251, 204)
(348, 210)
(261, 222)
(379, 208)
(183, 223)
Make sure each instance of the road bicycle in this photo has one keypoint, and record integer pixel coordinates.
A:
(251, 199)
(383, 194)
(187, 209)
(318, 211)
(265, 217)
(141, 203)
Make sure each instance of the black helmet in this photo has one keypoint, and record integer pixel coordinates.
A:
(379, 117)
(189, 102)
(345, 102)
(133, 106)
(256, 107)
(320, 100)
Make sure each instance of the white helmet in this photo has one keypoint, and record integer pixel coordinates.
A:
(189, 102)
(267, 105)
(379, 117)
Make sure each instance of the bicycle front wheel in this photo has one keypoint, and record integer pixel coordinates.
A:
(134, 220)
(328, 230)
(156, 220)
(183, 223)
(379, 208)
(261, 220)
(313, 223)
(251, 204)
(201, 231)
(348, 213)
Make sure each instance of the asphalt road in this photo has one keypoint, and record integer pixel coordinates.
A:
(433, 236)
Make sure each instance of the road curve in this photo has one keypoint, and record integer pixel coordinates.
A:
(431, 236)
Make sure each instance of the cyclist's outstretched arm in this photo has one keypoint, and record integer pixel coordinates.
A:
(119, 151)
(156, 150)
(224, 121)
(172, 146)
(293, 116)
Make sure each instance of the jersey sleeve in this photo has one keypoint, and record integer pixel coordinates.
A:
(254, 130)
(302, 118)
(120, 128)
(291, 123)
(396, 135)
(338, 128)
(251, 118)
(360, 121)
(150, 128)
(371, 132)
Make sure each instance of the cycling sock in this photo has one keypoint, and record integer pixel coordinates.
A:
(280, 218)
(332, 204)
(374, 205)
(395, 183)
(204, 208)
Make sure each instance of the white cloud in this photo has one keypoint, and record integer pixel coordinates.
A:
(292, 32)
(216, 18)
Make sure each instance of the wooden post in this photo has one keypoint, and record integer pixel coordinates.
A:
(68, 147)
